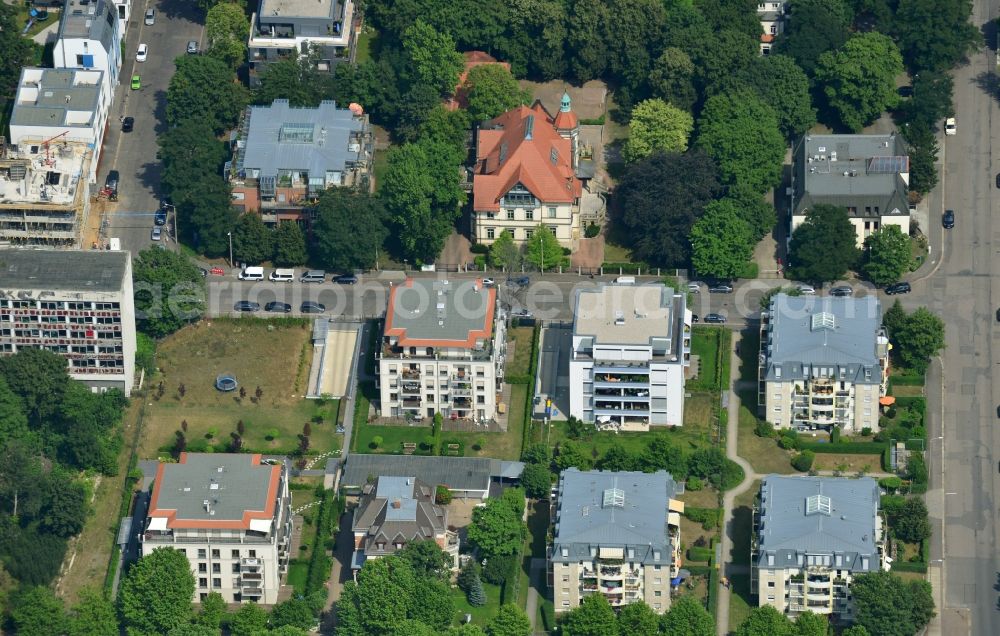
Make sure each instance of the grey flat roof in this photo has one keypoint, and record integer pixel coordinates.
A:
(824, 331)
(625, 314)
(73, 270)
(588, 520)
(852, 154)
(788, 529)
(57, 95)
(230, 482)
(297, 8)
(458, 473)
(314, 140)
(441, 312)
(90, 20)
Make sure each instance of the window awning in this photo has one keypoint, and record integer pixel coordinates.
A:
(887, 400)
(612, 553)
(157, 523)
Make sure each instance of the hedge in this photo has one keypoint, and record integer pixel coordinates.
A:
(319, 562)
(907, 379)
(625, 268)
(707, 517)
(846, 448)
(699, 554)
(518, 378)
(699, 570)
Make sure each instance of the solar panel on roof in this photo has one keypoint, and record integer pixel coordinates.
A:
(888, 165)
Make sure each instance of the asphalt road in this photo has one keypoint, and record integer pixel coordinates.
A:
(134, 154)
(966, 293)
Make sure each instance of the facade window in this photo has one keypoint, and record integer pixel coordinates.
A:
(552, 229)
(510, 215)
(766, 49)
(774, 29)
(529, 215)
(216, 582)
(216, 568)
(491, 233)
(770, 597)
(528, 233)
(565, 591)
(202, 568)
(565, 578)
(657, 581)
(658, 593)
(236, 554)
(491, 215)
(657, 605)
(777, 409)
(202, 582)
(201, 553)
(215, 554)
(565, 603)
(253, 554)
(770, 583)
(236, 568)
(552, 212)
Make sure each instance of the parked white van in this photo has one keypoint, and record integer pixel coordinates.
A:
(313, 276)
(252, 273)
(625, 280)
(282, 275)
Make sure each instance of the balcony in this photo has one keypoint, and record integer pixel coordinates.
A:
(411, 374)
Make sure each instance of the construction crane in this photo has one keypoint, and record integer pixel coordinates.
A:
(48, 159)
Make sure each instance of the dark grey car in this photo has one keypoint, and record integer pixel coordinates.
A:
(246, 305)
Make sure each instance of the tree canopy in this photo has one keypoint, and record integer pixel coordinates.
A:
(824, 246)
(935, 35)
(289, 245)
(918, 339)
(203, 89)
(721, 241)
(543, 249)
(169, 291)
(818, 26)
(887, 255)
(156, 593)
(859, 79)
(435, 60)
(765, 621)
(656, 125)
(593, 617)
(17, 50)
(888, 606)
(228, 28)
(497, 528)
(687, 617)
(349, 229)
(490, 90)
(509, 621)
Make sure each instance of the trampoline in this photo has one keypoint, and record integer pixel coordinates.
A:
(226, 383)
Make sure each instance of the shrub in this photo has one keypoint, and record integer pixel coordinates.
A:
(497, 569)
(479, 248)
(707, 517)
(442, 496)
(271, 434)
(479, 261)
(866, 431)
(695, 484)
(835, 435)
(592, 230)
(376, 441)
(787, 442)
(764, 429)
(803, 461)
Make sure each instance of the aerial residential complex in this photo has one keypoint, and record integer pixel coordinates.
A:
(395, 511)
(285, 157)
(616, 534)
(631, 346)
(229, 513)
(867, 174)
(301, 28)
(77, 304)
(811, 536)
(824, 362)
(443, 351)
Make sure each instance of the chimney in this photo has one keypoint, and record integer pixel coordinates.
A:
(397, 504)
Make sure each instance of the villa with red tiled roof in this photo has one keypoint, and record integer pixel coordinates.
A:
(443, 350)
(472, 60)
(526, 174)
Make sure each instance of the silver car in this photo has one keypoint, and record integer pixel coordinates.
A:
(192, 47)
(150, 17)
(155, 234)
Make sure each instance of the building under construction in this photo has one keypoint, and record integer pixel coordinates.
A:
(44, 192)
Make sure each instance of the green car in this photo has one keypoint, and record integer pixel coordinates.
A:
(136, 84)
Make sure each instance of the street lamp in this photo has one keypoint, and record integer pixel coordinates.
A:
(230, 235)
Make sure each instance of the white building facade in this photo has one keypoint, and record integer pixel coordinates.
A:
(90, 38)
(631, 346)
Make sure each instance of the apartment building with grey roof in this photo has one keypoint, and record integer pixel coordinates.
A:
(811, 536)
(823, 362)
(615, 534)
(868, 175)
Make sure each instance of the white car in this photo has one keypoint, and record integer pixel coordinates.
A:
(140, 55)
(489, 282)
(150, 17)
(949, 126)
(806, 290)
(694, 287)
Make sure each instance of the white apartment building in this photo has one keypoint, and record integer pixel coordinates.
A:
(90, 38)
(77, 304)
(811, 537)
(824, 362)
(631, 345)
(124, 9)
(616, 534)
(443, 351)
(58, 105)
(230, 514)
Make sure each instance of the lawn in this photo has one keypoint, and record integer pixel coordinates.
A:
(298, 571)
(521, 363)
(271, 355)
(480, 615)
(367, 42)
(749, 351)
(739, 598)
(379, 166)
(847, 463)
(763, 453)
(711, 345)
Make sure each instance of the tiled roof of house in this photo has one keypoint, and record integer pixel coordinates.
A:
(522, 146)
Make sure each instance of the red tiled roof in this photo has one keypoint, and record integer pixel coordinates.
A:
(525, 161)
(566, 120)
(767, 37)
(472, 60)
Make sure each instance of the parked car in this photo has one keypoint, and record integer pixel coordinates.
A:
(998, 315)
(694, 287)
(806, 290)
(310, 307)
(136, 82)
(521, 313)
(898, 288)
(998, 179)
(905, 91)
(160, 217)
(192, 47)
(489, 282)
(140, 55)
(842, 291)
(111, 182)
(949, 126)
(150, 17)
(246, 305)
(720, 288)
(204, 272)
(274, 305)
(313, 276)
(156, 233)
(523, 281)
(715, 318)
(127, 124)
(948, 219)
(345, 279)
(694, 318)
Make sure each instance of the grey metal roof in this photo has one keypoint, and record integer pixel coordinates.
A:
(789, 533)
(89, 20)
(800, 338)
(589, 518)
(441, 310)
(458, 473)
(73, 270)
(628, 314)
(230, 482)
(860, 172)
(397, 510)
(58, 93)
(313, 140)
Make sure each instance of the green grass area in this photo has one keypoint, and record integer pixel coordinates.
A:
(367, 42)
(379, 166)
(298, 570)
(708, 343)
(763, 453)
(749, 350)
(739, 600)
(739, 597)
(520, 364)
(22, 16)
(393, 438)
(616, 253)
(480, 615)
(271, 355)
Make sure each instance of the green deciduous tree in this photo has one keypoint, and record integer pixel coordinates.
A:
(910, 522)
(253, 242)
(859, 80)
(208, 216)
(935, 35)
(296, 79)
(657, 201)
(349, 229)
(17, 50)
(204, 89)
(39, 377)
(824, 246)
(294, 612)
(810, 624)
(765, 621)
(228, 28)
(427, 559)
(741, 133)
(638, 619)
(803, 461)
(289, 245)
(506, 254)
(585, 39)
(819, 26)
(492, 90)
(721, 241)
(543, 249)
(593, 617)
(783, 86)
(930, 103)
(433, 55)
(537, 481)
(887, 255)
(855, 630)
(156, 593)
(187, 153)
(65, 510)
(919, 338)
(687, 617)
(37, 611)
(249, 620)
(672, 78)
(213, 608)
(93, 615)
(509, 621)
(169, 291)
(656, 125)
(497, 528)
(887, 606)
(923, 157)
